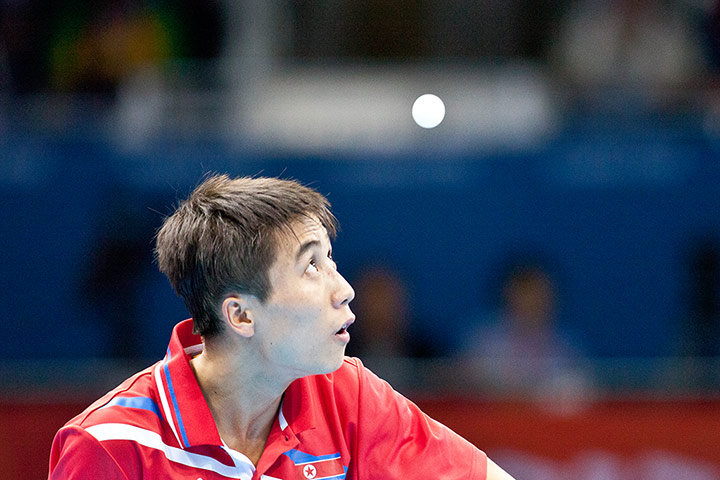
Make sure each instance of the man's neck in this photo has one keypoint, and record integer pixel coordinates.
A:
(243, 403)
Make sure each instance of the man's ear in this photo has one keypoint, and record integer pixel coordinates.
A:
(236, 315)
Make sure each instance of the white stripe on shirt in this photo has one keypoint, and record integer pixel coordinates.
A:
(164, 401)
(147, 438)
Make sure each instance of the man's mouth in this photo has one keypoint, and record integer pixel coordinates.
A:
(345, 326)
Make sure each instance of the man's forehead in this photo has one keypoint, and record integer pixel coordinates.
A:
(305, 230)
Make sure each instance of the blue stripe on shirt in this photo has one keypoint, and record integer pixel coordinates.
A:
(142, 403)
(299, 457)
(174, 401)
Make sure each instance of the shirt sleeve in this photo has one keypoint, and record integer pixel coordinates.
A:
(77, 455)
(396, 440)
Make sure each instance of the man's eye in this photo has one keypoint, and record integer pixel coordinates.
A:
(312, 266)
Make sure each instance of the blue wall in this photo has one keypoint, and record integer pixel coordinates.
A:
(616, 210)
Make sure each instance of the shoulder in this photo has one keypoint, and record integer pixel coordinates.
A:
(348, 374)
(127, 414)
(340, 386)
(129, 408)
(343, 390)
(355, 386)
(77, 454)
(350, 365)
(352, 376)
(133, 398)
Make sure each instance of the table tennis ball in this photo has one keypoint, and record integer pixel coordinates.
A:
(428, 111)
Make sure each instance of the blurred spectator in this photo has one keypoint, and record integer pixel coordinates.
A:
(114, 274)
(24, 36)
(384, 318)
(95, 45)
(702, 336)
(385, 29)
(90, 46)
(714, 32)
(519, 349)
(381, 307)
(494, 30)
(636, 42)
(414, 30)
(384, 336)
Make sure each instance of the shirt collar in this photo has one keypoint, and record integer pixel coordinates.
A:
(182, 401)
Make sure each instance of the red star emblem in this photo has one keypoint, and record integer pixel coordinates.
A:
(309, 471)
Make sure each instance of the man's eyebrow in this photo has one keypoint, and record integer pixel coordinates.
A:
(309, 245)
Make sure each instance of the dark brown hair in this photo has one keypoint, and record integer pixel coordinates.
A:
(225, 236)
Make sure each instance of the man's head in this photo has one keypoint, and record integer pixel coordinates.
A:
(225, 236)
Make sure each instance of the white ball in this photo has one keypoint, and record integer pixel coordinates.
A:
(428, 111)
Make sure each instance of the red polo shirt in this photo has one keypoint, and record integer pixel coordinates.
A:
(348, 424)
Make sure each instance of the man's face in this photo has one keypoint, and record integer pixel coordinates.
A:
(302, 327)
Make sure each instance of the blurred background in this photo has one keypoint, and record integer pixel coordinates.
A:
(541, 271)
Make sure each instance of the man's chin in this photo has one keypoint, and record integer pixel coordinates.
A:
(331, 367)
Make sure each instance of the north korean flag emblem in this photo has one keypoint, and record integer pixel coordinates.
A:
(309, 471)
(323, 467)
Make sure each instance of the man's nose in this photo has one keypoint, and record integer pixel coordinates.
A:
(344, 292)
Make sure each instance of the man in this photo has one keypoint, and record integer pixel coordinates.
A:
(256, 385)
